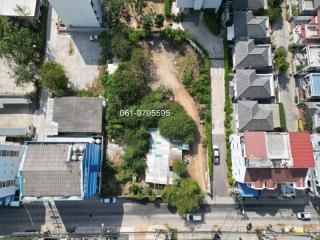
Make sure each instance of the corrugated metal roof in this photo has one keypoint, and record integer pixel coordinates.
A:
(78, 114)
(14, 101)
(301, 149)
(255, 144)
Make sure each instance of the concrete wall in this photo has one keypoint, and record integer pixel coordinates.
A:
(78, 13)
(199, 4)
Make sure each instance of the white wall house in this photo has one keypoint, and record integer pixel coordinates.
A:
(9, 165)
(79, 13)
(199, 4)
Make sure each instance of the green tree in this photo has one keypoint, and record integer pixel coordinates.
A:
(147, 24)
(280, 59)
(178, 125)
(53, 77)
(113, 10)
(159, 20)
(139, 5)
(179, 167)
(167, 8)
(184, 194)
(120, 47)
(19, 43)
(126, 86)
(25, 73)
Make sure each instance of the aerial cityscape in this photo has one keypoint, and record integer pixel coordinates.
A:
(159, 119)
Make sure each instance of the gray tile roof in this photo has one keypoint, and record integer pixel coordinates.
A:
(249, 26)
(249, 55)
(78, 114)
(252, 118)
(248, 4)
(249, 85)
(47, 173)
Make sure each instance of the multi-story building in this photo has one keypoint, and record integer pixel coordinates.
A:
(272, 164)
(67, 169)
(78, 13)
(199, 4)
(9, 164)
(315, 138)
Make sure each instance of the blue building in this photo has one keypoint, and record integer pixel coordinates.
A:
(60, 170)
(9, 165)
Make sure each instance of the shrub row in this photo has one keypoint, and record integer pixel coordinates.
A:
(282, 115)
(228, 112)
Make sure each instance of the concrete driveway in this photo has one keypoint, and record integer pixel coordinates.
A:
(287, 84)
(213, 44)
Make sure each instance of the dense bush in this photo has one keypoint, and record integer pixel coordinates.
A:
(167, 8)
(120, 47)
(179, 126)
(283, 123)
(113, 10)
(179, 167)
(274, 9)
(175, 35)
(147, 24)
(228, 112)
(159, 20)
(280, 59)
(53, 77)
(185, 194)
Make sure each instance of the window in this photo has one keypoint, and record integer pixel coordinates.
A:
(6, 153)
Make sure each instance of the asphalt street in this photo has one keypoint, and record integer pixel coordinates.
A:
(92, 213)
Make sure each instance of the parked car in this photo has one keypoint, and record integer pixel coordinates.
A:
(194, 217)
(216, 155)
(303, 215)
(109, 200)
(94, 37)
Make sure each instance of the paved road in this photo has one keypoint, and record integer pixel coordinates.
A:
(220, 182)
(287, 85)
(91, 213)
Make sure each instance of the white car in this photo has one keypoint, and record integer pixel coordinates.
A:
(94, 37)
(109, 200)
(216, 154)
(194, 217)
(303, 215)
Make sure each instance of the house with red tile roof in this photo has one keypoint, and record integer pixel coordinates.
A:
(272, 163)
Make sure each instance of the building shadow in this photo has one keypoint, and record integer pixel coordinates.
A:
(27, 218)
(89, 50)
(90, 215)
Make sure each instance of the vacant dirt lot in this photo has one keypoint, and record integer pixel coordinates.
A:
(166, 72)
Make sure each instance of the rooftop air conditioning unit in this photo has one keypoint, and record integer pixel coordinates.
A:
(74, 148)
(82, 148)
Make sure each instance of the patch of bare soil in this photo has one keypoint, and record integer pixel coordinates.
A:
(166, 62)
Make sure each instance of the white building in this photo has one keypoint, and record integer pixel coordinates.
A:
(9, 165)
(20, 8)
(78, 13)
(199, 4)
(315, 138)
(160, 157)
